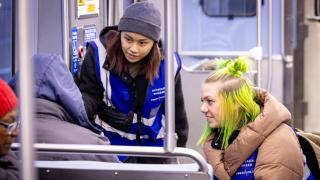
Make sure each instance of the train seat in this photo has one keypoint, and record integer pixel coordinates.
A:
(87, 170)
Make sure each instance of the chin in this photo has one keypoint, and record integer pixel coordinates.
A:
(132, 60)
(213, 125)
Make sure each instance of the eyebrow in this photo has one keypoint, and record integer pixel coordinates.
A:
(204, 98)
(127, 35)
(207, 98)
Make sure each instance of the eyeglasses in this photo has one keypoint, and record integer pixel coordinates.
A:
(10, 126)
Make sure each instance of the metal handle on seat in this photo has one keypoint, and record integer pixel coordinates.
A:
(127, 150)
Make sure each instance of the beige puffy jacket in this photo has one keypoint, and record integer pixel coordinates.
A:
(279, 154)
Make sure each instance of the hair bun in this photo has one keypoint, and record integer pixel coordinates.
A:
(235, 67)
(238, 66)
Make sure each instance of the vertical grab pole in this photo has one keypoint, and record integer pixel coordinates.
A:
(65, 32)
(259, 41)
(111, 12)
(170, 141)
(270, 46)
(283, 21)
(118, 11)
(25, 44)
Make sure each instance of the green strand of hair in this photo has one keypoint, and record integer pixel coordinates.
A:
(207, 130)
(238, 106)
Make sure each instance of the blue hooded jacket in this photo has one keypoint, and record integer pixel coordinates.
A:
(54, 82)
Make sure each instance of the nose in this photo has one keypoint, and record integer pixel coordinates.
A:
(203, 108)
(15, 133)
(134, 48)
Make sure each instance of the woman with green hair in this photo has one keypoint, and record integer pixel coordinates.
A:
(246, 135)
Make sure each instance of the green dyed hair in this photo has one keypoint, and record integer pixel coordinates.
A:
(236, 93)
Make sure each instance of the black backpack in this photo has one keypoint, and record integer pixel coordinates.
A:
(310, 145)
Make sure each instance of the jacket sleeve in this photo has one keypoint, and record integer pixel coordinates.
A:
(181, 121)
(9, 167)
(92, 92)
(216, 160)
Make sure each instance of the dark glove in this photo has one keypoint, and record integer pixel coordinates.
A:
(115, 118)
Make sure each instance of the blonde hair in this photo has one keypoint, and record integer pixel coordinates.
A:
(236, 93)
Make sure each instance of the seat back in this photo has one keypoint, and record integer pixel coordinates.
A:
(88, 170)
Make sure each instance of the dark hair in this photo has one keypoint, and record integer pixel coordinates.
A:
(118, 62)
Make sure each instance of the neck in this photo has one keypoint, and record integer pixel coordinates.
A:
(134, 69)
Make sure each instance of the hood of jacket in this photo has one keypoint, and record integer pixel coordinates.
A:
(54, 82)
(107, 33)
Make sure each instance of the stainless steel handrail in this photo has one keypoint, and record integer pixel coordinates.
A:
(259, 41)
(65, 32)
(111, 12)
(212, 53)
(118, 11)
(126, 150)
(282, 27)
(170, 140)
(270, 45)
(25, 43)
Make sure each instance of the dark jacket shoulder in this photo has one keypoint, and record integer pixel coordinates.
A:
(9, 167)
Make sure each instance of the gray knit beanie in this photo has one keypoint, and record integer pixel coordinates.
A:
(143, 18)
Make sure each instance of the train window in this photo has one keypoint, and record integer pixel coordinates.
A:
(229, 8)
(6, 39)
(202, 37)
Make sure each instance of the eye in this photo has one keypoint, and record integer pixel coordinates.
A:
(142, 43)
(210, 102)
(128, 39)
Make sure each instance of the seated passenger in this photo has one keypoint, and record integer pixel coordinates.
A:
(246, 135)
(8, 132)
(60, 110)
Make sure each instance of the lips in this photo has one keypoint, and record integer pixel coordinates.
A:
(132, 56)
(209, 116)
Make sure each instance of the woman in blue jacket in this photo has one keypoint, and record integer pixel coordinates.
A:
(122, 81)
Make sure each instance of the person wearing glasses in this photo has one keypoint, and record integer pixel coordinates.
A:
(8, 132)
